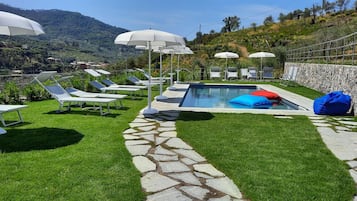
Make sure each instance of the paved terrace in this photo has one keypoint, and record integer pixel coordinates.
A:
(172, 170)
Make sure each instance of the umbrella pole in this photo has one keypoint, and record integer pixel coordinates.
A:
(261, 67)
(225, 74)
(171, 74)
(178, 69)
(149, 110)
(161, 97)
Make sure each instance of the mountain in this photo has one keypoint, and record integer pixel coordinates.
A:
(68, 36)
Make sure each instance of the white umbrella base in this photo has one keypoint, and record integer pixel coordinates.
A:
(150, 111)
(161, 97)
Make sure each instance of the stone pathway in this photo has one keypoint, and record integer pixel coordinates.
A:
(170, 168)
(340, 136)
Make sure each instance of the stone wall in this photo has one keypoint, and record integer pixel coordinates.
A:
(327, 78)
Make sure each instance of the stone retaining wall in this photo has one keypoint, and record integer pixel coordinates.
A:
(327, 78)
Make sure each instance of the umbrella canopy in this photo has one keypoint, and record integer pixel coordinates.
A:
(226, 55)
(149, 38)
(11, 25)
(261, 55)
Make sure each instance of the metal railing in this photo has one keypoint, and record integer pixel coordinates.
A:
(339, 51)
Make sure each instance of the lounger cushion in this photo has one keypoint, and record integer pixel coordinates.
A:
(268, 94)
(334, 103)
(252, 101)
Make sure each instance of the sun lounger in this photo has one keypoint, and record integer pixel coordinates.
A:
(79, 93)
(137, 81)
(289, 76)
(244, 73)
(232, 73)
(268, 73)
(252, 73)
(155, 79)
(63, 97)
(11, 108)
(110, 83)
(215, 72)
(103, 88)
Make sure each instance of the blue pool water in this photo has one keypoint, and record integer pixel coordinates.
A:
(218, 96)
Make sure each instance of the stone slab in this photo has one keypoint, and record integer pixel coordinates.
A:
(135, 142)
(353, 174)
(208, 169)
(225, 185)
(177, 143)
(160, 140)
(130, 137)
(164, 157)
(191, 154)
(135, 125)
(146, 128)
(143, 164)
(224, 198)
(195, 191)
(186, 177)
(130, 131)
(168, 195)
(162, 151)
(173, 166)
(150, 138)
(146, 133)
(352, 164)
(168, 124)
(352, 123)
(168, 134)
(137, 150)
(154, 182)
(188, 161)
(163, 129)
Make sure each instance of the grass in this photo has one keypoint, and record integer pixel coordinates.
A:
(268, 158)
(78, 155)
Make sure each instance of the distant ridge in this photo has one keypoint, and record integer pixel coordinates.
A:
(74, 32)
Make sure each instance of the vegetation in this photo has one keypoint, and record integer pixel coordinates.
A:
(268, 158)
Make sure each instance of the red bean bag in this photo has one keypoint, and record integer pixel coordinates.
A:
(267, 94)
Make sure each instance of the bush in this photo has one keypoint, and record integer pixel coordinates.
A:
(11, 94)
(35, 93)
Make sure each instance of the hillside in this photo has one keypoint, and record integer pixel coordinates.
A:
(274, 37)
(69, 36)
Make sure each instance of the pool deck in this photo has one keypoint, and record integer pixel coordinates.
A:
(172, 170)
(175, 97)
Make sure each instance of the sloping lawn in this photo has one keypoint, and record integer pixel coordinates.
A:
(268, 158)
(78, 155)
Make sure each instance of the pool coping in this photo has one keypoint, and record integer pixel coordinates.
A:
(174, 98)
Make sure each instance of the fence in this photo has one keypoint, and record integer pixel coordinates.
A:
(339, 51)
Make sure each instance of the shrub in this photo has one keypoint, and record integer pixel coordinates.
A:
(35, 93)
(11, 94)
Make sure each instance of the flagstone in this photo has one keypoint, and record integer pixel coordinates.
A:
(352, 164)
(177, 143)
(154, 182)
(191, 154)
(162, 151)
(168, 134)
(150, 138)
(146, 128)
(164, 157)
(195, 191)
(316, 117)
(322, 124)
(224, 198)
(140, 120)
(143, 164)
(352, 123)
(135, 125)
(168, 124)
(136, 150)
(135, 142)
(186, 177)
(225, 185)
(163, 129)
(153, 132)
(188, 161)
(208, 169)
(130, 137)
(202, 175)
(174, 166)
(130, 131)
(171, 194)
(160, 140)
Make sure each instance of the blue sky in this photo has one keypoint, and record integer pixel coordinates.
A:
(182, 17)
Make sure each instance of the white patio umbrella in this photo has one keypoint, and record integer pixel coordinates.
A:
(12, 25)
(149, 38)
(179, 50)
(261, 55)
(226, 55)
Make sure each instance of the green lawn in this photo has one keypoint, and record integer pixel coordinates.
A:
(78, 155)
(268, 158)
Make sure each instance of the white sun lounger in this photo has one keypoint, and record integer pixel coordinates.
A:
(110, 83)
(103, 88)
(79, 93)
(62, 96)
(11, 108)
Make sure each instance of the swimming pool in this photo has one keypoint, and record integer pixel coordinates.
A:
(218, 96)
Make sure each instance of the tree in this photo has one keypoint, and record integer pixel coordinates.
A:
(342, 4)
(269, 20)
(231, 24)
(254, 26)
(282, 17)
(355, 5)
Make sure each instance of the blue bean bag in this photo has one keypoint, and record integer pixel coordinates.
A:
(334, 103)
(252, 101)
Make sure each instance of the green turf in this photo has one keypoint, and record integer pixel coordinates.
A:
(268, 158)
